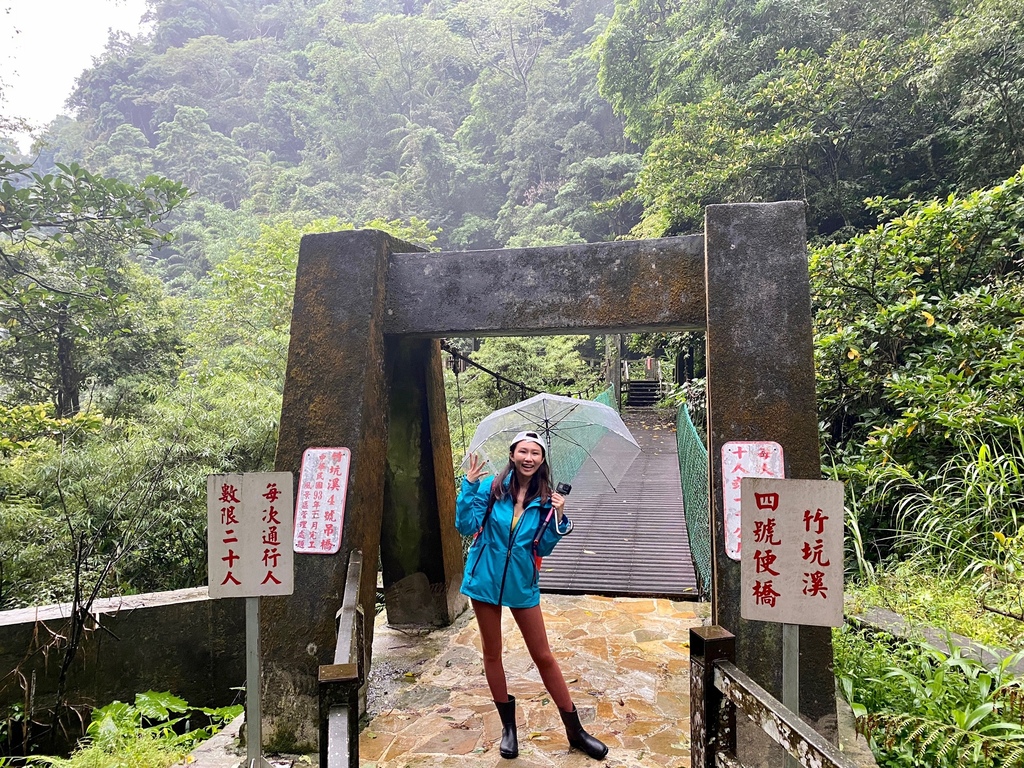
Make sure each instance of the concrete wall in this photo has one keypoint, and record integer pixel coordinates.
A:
(181, 641)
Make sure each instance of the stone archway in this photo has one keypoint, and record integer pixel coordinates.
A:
(364, 371)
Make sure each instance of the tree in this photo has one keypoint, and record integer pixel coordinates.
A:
(548, 364)
(977, 78)
(737, 102)
(72, 303)
(126, 155)
(917, 328)
(208, 162)
(508, 36)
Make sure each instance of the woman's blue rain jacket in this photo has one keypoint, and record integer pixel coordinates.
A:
(500, 568)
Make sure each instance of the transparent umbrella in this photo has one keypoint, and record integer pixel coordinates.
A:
(575, 431)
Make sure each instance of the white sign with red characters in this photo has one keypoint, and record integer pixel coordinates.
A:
(249, 525)
(320, 505)
(791, 571)
(745, 458)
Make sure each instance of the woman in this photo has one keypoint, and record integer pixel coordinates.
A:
(510, 521)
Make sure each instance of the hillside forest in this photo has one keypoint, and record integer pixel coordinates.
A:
(148, 244)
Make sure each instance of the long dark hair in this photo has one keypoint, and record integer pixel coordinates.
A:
(540, 483)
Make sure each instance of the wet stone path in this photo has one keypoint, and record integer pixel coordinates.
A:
(626, 661)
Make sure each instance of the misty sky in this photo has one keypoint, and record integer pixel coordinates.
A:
(45, 45)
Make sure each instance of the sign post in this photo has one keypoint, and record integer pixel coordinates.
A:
(791, 564)
(249, 529)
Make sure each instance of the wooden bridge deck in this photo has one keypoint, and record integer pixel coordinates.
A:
(632, 542)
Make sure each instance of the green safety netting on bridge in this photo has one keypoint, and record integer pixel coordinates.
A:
(693, 475)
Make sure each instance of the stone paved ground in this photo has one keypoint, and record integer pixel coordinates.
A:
(626, 661)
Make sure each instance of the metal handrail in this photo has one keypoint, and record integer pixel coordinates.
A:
(339, 683)
(718, 689)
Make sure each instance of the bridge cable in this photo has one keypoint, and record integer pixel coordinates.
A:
(462, 421)
(521, 386)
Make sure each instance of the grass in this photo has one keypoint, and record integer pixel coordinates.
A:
(923, 595)
(925, 707)
(146, 750)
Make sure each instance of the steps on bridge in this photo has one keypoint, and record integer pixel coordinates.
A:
(641, 393)
(632, 542)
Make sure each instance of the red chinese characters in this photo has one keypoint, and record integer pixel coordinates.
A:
(229, 494)
(813, 554)
(794, 572)
(249, 522)
(323, 483)
(271, 523)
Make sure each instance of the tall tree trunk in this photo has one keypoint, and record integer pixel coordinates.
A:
(67, 396)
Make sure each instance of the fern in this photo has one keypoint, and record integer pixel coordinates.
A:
(941, 744)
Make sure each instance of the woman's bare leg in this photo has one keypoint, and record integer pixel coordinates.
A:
(488, 618)
(531, 624)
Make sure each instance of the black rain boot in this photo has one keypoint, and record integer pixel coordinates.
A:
(579, 738)
(509, 738)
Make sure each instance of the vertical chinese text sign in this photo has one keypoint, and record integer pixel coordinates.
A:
(791, 569)
(249, 526)
(320, 505)
(745, 458)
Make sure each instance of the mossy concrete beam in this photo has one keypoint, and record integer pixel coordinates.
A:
(635, 285)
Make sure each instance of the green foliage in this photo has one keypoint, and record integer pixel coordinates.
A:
(23, 426)
(74, 308)
(977, 76)
(154, 732)
(73, 204)
(545, 364)
(208, 162)
(921, 707)
(479, 118)
(918, 352)
(999, 578)
(923, 596)
(960, 512)
(825, 102)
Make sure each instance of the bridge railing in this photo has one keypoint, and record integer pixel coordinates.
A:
(718, 689)
(339, 682)
(693, 475)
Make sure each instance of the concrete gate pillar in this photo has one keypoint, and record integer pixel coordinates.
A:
(360, 369)
(421, 553)
(760, 383)
(338, 393)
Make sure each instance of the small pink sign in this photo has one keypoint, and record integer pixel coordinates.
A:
(320, 504)
(745, 458)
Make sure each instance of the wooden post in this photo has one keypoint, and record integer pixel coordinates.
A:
(712, 725)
